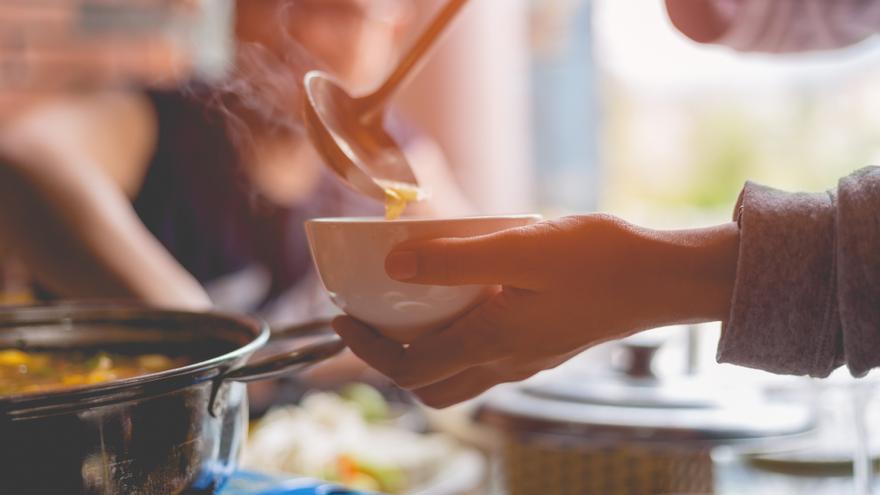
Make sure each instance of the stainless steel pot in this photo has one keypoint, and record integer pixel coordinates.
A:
(178, 431)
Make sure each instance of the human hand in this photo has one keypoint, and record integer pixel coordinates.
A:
(699, 20)
(565, 285)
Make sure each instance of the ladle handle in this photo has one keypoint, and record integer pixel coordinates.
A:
(377, 100)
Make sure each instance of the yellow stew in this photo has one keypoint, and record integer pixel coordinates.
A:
(29, 372)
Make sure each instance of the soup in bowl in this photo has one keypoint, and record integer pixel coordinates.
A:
(350, 254)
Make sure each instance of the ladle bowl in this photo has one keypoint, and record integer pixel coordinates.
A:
(348, 131)
(352, 141)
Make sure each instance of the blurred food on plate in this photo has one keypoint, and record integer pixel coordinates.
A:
(354, 438)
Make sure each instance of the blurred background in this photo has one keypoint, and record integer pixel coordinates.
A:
(604, 106)
(573, 106)
(611, 108)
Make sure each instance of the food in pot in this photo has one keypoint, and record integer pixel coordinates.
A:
(30, 372)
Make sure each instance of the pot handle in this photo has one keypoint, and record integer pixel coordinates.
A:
(326, 345)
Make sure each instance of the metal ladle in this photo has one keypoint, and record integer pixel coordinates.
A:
(348, 131)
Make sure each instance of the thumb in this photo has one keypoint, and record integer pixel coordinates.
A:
(502, 258)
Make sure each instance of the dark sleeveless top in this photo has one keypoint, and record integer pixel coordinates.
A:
(198, 202)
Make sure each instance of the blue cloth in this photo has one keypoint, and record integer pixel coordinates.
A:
(247, 483)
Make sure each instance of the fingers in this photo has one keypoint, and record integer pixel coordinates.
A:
(464, 386)
(698, 20)
(475, 381)
(503, 258)
(391, 359)
(479, 337)
(380, 353)
(385, 355)
(446, 368)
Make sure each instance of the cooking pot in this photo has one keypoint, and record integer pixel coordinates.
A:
(178, 431)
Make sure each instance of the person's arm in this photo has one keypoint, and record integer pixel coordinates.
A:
(776, 26)
(796, 281)
(567, 285)
(64, 168)
(857, 269)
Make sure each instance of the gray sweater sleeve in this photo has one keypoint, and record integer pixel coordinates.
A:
(807, 295)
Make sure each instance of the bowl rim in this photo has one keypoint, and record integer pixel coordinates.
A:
(383, 221)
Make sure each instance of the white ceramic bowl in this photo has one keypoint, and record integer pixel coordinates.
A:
(350, 256)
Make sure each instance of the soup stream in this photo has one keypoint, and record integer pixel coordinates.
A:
(398, 195)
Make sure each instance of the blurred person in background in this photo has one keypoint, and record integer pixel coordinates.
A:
(795, 277)
(60, 48)
(155, 195)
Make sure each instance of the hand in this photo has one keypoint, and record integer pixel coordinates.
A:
(565, 285)
(699, 20)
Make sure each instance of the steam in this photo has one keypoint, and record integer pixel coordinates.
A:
(262, 88)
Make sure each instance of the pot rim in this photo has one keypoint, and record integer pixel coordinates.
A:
(95, 395)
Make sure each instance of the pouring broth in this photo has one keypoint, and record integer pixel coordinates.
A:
(398, 195)
(35, 372)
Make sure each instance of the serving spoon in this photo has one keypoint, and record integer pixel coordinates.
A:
(349, 131)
